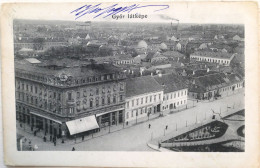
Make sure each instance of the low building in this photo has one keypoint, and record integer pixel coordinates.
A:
(222, 58)
(175, 91)
(144, 97)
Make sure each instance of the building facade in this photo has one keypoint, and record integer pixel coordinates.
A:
(144, 97)
(222, 58)
(175, 92)
(47, 99)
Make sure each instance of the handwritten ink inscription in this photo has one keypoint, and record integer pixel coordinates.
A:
(111, 10)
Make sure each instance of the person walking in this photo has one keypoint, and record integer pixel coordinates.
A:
(50, 138)
(54, 143)
(44, 139)
(166, 127)
(73, 149)
(149, 126)
(83, 138)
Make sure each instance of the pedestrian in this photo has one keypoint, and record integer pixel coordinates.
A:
(149, 126)
(73, 149)
(44, 138)
(83, 138)
(21, 125)
(50, 138)
(166, 127)
(159, 145)
(127, 123)
(35, 147)
(31, 128)
(54, 139)
(54, 143)
(34, 133)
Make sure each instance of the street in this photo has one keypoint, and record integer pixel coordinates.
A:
(135, 138)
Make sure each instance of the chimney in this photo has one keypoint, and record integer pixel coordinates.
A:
(193, 73)
(208, 70)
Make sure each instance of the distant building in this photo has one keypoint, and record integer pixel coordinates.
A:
(144, 97)
(221, 58)
(175, 91)
(123, 60)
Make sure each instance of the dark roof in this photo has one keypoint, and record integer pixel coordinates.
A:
(79, 70)
(141, 85)
(171, 82)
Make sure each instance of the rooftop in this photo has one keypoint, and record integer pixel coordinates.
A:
(141, 85)
(171, 82)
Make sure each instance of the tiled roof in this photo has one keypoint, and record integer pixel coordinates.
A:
(141, 85)
(171, 82)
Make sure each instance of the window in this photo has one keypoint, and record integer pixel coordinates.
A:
(97, 91)
(103, 100)
(121, 87)
(146, 99)
(181, 93)
(78, 94)
(127, 104)
(59, 96)
(142, 99)
(69, 96)
(36, 89)
(150, 98)
(121, 97)
(137, 102)
(154, 97)
(133, 102)
(159, 96)
(178, 94)
(97, 102)
(108, 100)
(114, 99)
(91, 103)
(31, 99)
(174, 95)
(27, 88)
(103, 90)
(127, 115)
(31, 88)
(22, 86)
(90, 92)
(132, 114)
(54, 95)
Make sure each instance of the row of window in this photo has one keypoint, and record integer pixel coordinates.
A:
(143, 100)
(175, 95)
(135, 113)
(211, 60)
(97, 91)
(103, 101)
(174, 105)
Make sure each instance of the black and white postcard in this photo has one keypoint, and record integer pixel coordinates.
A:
(130, 84)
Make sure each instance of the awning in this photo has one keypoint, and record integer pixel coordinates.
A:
(82, 125)
(46, 117)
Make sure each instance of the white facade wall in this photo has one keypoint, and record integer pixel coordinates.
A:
(221, 61)
(141, 105)
(175, 99)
